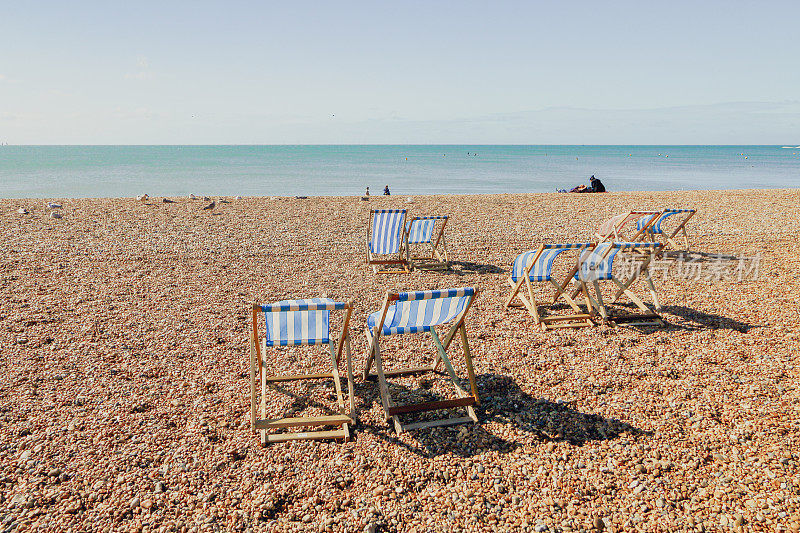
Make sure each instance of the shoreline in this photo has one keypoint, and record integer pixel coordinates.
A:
(403, 196)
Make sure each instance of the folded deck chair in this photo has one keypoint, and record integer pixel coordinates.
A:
(419, 312)
(619, 227)
(668, 236)
(537, 266)
(387, 238)
(296, 323)
(597, 266)
(428, 231)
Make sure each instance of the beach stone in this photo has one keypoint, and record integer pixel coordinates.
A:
(55, 214)
(598, 523)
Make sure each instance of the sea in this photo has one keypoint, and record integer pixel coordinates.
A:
(341, 170)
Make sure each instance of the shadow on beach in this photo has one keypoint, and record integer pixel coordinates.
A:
(464, 267)
(696, 320)
(698, 257)
(503, 402)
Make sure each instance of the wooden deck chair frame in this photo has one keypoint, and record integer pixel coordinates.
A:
(438, 258)
(611, 229)
(401, 258)
(580, 318)
(465, 399)
(260, 378)
(645, 252)
(670, 238)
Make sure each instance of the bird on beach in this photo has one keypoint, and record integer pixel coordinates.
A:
(210, 206)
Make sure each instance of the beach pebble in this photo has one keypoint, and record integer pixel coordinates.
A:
(22, 211)
(55, 215)
(53, 205)
(126, 338)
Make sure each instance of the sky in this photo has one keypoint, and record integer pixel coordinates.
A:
(373, 72)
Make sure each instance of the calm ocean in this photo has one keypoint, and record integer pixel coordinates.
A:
(115, 171)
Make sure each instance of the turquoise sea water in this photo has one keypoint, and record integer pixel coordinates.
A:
(115, 171)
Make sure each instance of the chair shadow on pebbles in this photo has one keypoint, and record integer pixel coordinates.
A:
(698, 257)
(526, 420)
(696, 320)
(464, 267)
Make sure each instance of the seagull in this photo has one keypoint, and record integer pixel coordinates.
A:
(210, 207)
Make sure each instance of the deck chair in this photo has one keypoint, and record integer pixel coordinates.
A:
(296, 323)
(617, 228)
(597, 266)
(537, 266)
(419, 312)
(387, 237)
(668, 236)
(428, 231)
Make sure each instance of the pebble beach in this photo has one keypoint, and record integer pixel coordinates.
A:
(125, 388)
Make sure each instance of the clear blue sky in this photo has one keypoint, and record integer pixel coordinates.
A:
(592, 72)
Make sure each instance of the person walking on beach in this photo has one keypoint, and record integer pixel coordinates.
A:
(386, 191)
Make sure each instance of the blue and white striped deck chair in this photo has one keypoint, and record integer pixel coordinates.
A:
(668, 235)
(419, 312)
(598, 265)
(387, 236)
(428, 231)
(619, 227)
(537, 266)
(303, 322)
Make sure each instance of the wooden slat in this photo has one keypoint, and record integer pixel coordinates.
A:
(306, 435)
(430, 406)
(290, 422)
(436, 423)
(566, 317)
(569, 325)
(297, 377)
(403, 371)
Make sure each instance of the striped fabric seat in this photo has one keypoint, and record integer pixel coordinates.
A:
(598, 264)
(543, 267)
(656, 228)
(387, 231)
(419, 311)
(299, 322)
(420, 230)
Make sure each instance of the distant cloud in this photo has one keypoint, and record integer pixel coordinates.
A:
(142, 71)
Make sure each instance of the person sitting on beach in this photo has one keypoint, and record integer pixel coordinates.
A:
(367, 193)
(386, 191)
(597, 185)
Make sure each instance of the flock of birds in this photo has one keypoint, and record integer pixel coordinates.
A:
(209, 207)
